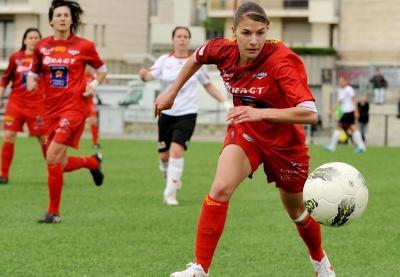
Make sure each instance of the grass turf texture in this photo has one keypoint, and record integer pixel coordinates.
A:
(123, 229)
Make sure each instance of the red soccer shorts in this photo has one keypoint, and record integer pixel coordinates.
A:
(15, 118)
(66, 128)
(287, 167)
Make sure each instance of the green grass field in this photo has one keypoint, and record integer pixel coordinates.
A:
(123, 229)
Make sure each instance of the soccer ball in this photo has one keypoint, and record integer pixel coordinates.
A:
(335, 194)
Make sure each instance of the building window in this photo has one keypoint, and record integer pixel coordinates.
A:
(296, 32)
(153, 7)
(297, 4)
(103, 35)
(95, 36)
(6, 38)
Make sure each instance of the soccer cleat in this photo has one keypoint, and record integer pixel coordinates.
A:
(170, 200)
(323, 268)
(97, 173)
(96, 146)
(50, 218)
(192, 270)
(3, 180)
(360, 150)
(329, 149)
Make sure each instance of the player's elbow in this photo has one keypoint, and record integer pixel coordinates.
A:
(313, 118)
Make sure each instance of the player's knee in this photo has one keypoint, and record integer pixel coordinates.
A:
(221, 191)
(10, 137)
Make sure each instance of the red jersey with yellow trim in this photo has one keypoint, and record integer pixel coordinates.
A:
(62, 64)
(276, 79)
(16, 72)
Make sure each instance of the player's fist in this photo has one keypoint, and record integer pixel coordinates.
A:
(143, 74)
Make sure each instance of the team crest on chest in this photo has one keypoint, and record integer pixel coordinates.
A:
(260, 75)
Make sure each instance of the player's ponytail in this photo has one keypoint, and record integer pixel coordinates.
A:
(76, 12)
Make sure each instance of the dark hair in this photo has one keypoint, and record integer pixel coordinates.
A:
(251, 10)
(181, 27)
(27, 31)
(74, 7)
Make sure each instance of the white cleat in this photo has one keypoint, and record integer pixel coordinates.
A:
(192, 270)
(323, 268)
(170, 200)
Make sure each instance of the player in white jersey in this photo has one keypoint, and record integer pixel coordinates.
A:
(176, 125)
(346, 100)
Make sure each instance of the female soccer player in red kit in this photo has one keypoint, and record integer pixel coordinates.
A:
(268, 83)
(22, 106)
(62, 59)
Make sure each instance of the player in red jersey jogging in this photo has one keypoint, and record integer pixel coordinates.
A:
(268, 83)
(22, 106)
(62, 59)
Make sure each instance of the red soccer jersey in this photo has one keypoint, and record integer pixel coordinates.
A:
(276, 79)
(62, 64)
(16, 72)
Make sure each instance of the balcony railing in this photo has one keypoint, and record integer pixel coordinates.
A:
(13, 2)
(229, 5)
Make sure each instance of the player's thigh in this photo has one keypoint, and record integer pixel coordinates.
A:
(233, 167)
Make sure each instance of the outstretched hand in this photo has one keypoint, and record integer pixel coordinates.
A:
(163, 102)
(241, 114)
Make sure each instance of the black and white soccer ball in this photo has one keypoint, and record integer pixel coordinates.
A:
(335, 194)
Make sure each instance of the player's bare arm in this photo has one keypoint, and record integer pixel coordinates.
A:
(145, 75)
(2, 89)
(295, 115)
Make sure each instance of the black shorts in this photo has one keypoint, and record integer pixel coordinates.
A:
(347, 119)
(178, 129)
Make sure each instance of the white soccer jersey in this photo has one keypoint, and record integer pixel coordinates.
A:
(167, 68)
(345, 97)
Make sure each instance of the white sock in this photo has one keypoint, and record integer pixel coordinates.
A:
(163, 167)
(334, 140)
(357, 138)
(174, 174)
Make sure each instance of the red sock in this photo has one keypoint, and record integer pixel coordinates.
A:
(55, 184)
(310, 232)
(95, 133)
(74, 163)
(209, 230)
(7, 155)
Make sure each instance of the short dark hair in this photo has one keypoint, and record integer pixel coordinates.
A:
(252, 10)
(27, 31)
(181, 27)
(74, 7)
